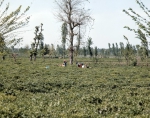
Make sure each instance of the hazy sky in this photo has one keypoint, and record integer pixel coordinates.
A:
(108, 25)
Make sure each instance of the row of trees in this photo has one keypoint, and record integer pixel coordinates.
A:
(131, 53)
(119, 51)
(74, 19)
(59, 50)
(73, 16)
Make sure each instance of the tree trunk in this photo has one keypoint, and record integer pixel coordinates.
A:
(71, 51)
(3, 58)
(71, 54)
(64, 54)
(146, 61)
(34, 57)
(14, 57)
(64, 51)
(31, 57)
(127, 60)
(71, 44)
(43, 57)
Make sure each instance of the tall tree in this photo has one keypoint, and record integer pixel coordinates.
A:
(52, 51)
(89, 43)
(102, 52)
(129, 53)
(72, 13)
(77, 46)
(42, 50)
(114, 49)
(46, 49)
(59, 50)
(138, 49)
(109, 52)
(84, 51)
(95, 51)
(118, 53)
(117, 49)
(64, 33)
(121, 49)
(9, 26)
(37, 39)
(144, 45)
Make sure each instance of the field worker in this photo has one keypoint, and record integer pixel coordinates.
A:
(79, 64)
(65, 63)
(83, 66)
(87, 66)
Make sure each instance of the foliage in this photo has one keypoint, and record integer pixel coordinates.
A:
(52, 51)
(143, 24)
(144, 45)
(77, 46)
(9, 25)
(95, 51)
(37, 39)
(84, 51)
(110, 50)
(2, 47)
(59, 50)
(121, 48)
(129, 53)
(114, 49)
(89, 43)
(64, 33)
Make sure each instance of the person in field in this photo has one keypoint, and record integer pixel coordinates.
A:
(81, 65)
(64, 63)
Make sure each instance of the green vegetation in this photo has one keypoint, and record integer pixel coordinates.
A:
(43, 89)
(114, 84)
(37, 41)
(10, 23)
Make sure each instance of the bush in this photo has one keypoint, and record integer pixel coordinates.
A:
(134, 62)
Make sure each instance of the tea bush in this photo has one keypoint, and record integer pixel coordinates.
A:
(32, 90)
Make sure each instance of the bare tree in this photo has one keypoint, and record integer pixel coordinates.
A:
(72, 13)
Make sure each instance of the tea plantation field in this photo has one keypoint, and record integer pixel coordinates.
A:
(30, 90)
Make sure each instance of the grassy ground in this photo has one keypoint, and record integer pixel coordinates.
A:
(30, 90)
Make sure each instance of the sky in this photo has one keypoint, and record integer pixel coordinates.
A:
(108, 25)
